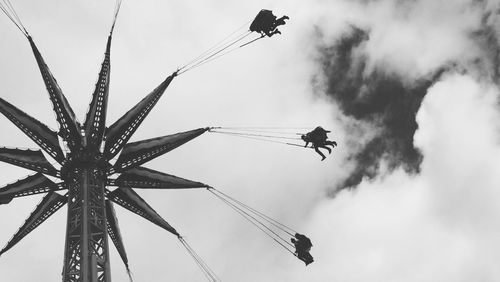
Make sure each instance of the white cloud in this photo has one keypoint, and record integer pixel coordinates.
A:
(411, 39)
(436, 226)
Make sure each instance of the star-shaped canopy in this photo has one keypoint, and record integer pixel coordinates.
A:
(97, 142)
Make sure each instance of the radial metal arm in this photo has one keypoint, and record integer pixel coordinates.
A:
(31, 185)
(142, 177)
(129, 199)
(30, 159)
(114, 232)
(69, 129)
(34, 129)
(95, 122)
(120, 132)
(137, 153)
(50, 204)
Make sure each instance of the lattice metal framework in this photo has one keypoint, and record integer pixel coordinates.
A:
(114, 232)
(51, 203)
(95, 122)
(137, 153)
(121, 131)
(69, 129)
(30, 159)
(86, 252)
(141, 177)
(129, 199)
(37, 131)
(33, 184)
(87, 173)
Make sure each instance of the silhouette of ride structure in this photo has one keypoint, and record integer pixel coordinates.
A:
(97, 167)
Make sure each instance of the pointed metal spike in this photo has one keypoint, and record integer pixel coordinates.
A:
(120, 132)
(50, 204)
(114, 232)
(34, 129)
(95, 122)
(30, 159)
(142, 177)
(137, 153)
(5, 200)
(69, 129)
(31, 185)
(129, 199)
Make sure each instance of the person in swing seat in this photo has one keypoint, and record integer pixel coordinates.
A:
(319, 139)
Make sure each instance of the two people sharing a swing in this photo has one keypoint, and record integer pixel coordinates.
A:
(266, 23)
(302, 248)
(319, 139)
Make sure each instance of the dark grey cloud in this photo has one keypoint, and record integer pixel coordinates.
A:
(488, 39)
(383, 101)
(384, 96)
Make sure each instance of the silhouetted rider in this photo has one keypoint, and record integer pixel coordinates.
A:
(266, 23)
(319, 139)
(302, 248)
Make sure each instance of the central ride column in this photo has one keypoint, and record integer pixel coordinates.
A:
(86, 256)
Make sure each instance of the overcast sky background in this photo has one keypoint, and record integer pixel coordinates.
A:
(422, 204)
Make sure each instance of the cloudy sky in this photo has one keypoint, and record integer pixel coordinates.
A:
(409, 89)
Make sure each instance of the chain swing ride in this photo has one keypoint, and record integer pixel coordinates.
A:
(90, 184)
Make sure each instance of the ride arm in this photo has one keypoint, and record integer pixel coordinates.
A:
(30, 159)
(34, 129)
(114, 232)
(142, 177)
(137, 153)
(69, 129)
(95, 121)
(31, 185)
(50, 204)
(129, 199)
(120, 132)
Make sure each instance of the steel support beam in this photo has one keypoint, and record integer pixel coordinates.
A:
(95, 122)
(69, 129)
(137, 153)
(86, 257)
(120, 132)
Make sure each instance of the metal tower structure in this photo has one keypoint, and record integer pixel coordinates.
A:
(87, 175)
